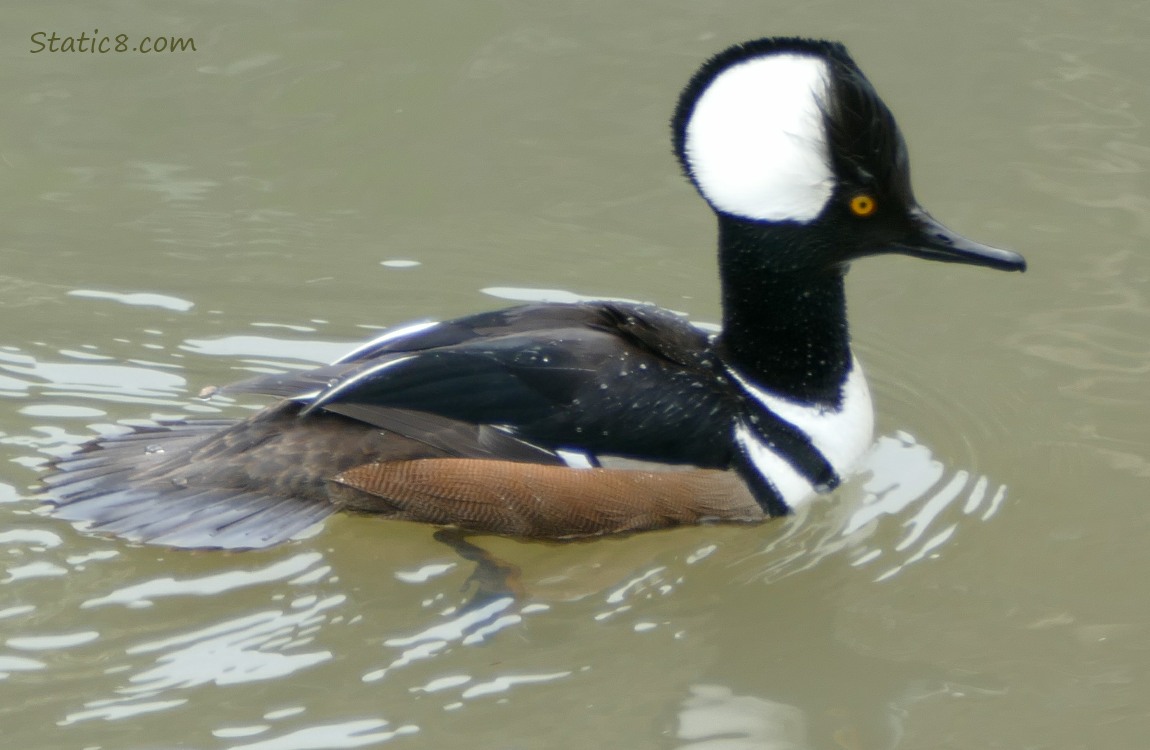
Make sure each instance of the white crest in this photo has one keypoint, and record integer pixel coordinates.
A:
(756, 143)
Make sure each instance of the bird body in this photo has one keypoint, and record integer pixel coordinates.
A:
(568, 420)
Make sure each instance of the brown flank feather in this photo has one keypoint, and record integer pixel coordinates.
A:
(533, 500)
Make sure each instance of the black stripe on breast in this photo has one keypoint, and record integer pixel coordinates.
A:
(794, 446)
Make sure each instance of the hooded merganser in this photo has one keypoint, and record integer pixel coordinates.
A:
(567, 420)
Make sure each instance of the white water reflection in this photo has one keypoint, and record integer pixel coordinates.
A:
(51, 642)
(21, 609)
(137, 299)
(34, 538)
(266, 645)
(266, 350)
(468, 626)
(561, 296)
(715, 718)
(101, 377)
(9, 664)
(504, 683)
(907, 505)
(909, 484)
(359, 733)
(244, 649)
(144, 594)
(33, 570)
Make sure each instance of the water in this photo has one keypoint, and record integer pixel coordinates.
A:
(179, 220)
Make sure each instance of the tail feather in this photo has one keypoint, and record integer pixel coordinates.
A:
(74, 483)
(120, 485)
(103, 506)
(72, 464)
(194, 511)
(268, 526)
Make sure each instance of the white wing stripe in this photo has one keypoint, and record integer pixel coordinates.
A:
(390, 335)
(574, 459)
(329, 394)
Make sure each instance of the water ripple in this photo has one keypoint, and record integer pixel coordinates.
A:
(358, 733)
(144, 594)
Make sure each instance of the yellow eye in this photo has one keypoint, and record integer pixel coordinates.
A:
(863, 205)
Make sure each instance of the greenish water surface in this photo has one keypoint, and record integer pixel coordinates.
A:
(312, 172)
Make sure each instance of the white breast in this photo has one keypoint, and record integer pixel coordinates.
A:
(842, 435)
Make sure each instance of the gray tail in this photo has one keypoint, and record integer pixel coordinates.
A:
(117, 485)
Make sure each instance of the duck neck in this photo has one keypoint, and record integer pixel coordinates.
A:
(784, 324)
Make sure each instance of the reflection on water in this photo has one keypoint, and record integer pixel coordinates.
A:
(346, 734)
(714, 717)
(139, 299)
(144, 594)
(906, 508)
(252, 647)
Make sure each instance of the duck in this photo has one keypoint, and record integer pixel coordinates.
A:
(572, 420)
